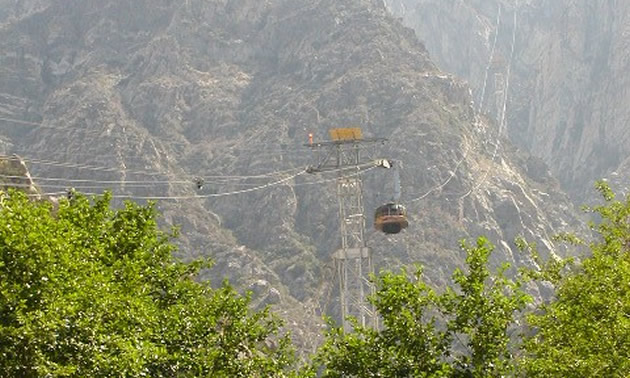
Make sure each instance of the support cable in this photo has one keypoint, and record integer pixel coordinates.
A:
(477, 115)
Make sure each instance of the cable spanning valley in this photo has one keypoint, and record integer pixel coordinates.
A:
(479, 110)
(120, 188)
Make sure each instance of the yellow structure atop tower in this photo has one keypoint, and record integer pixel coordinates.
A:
(345, 133)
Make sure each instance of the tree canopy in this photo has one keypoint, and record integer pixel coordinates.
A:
(90, 291)
(585, 330)
(461, 332)
(87, 290)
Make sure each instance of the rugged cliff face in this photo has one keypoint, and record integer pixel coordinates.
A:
(144, 96)
(567, 70)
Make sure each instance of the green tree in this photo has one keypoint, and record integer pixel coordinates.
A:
(90, 291)
(460, 332)
(585, 330)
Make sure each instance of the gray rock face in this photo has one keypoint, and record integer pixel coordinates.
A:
(147, 95)
(567, 102)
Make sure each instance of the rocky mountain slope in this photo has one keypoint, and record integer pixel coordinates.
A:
(144, 96)
(567, 98)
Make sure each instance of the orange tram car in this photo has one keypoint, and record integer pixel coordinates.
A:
(391, 218)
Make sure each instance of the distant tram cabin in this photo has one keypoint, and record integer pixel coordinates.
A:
(390, 218)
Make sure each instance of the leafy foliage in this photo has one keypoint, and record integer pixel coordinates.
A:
(585, 330)
(90, 291)
(457, 333)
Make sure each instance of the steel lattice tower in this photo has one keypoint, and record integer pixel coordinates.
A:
(353, 260)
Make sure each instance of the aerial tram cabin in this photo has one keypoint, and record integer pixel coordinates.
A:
(391, 218)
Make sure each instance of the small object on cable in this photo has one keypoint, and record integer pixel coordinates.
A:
(384, 163)
(199, 182)
(70, 194)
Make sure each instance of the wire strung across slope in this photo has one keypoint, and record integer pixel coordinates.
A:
(442, 185)
(294, 155)
(217, 178)
(477, 115)
(224, 194)
(95, 168)
(258, 152)
(502, 117)
(202, 196)
(357, 170)
(490, 60)
(124, 186)
(148, 184)
(93, 181)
